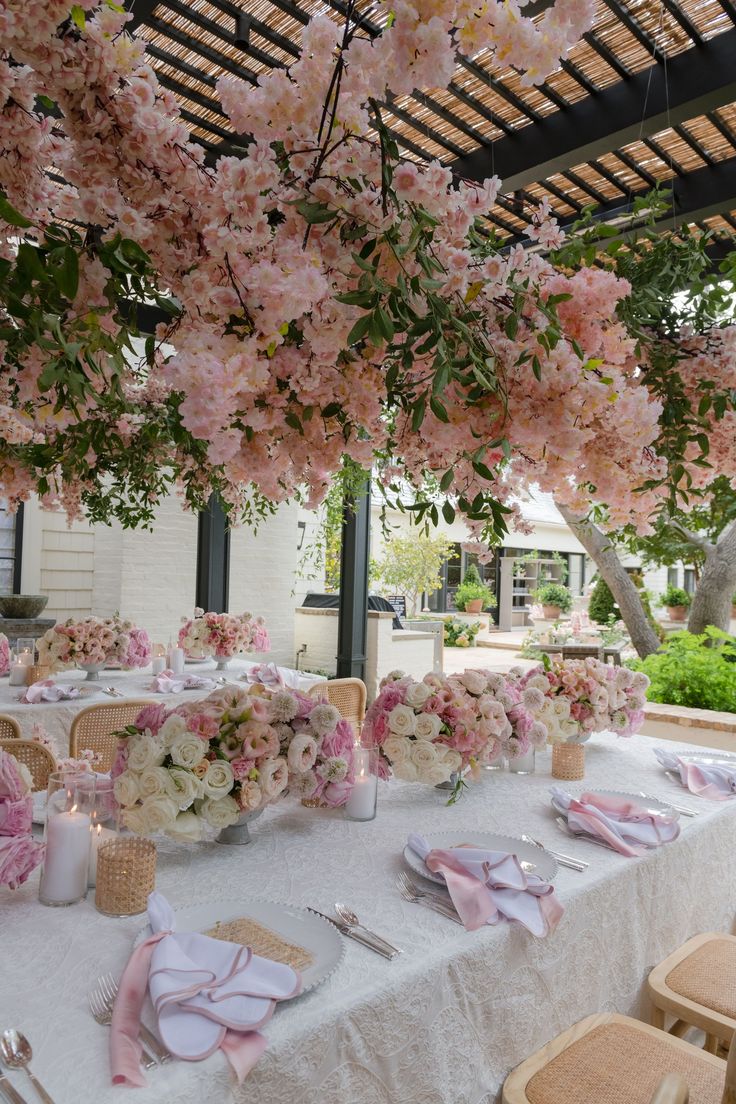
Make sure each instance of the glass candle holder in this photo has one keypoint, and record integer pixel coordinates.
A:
(67, 839)
(361, 804)
(126, 875)
(25, 650)
(98, 798)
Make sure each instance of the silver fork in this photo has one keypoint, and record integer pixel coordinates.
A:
(562, 823)
(410, 891)
(108, 986)
(102, 1012)
(112, 692)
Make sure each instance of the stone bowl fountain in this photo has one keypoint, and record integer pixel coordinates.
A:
(19, 616)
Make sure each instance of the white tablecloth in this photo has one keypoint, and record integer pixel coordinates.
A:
(56, 717)
(447, 1020)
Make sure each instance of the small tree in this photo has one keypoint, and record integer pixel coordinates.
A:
(602, 605)
(412, 565)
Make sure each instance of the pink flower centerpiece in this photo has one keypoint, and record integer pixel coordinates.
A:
(94, 642)
(20, 854)
(428, 731)
(213, 761)
(584, 696)
(4, 654)
(507, 714)
(223, 635)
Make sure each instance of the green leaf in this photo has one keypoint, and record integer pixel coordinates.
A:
(446, 480)
(331, 410)
(11, 216)
(438, 409)
(314, 212)
(417, 416)
(67, 274)
(448, 512)
(78, 17)
(360, 329)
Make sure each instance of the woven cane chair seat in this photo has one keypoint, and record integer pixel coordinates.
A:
(348, 696)
(613, 1060)
(9, 728)
(93, 730)
(697, 984)
(39, 760)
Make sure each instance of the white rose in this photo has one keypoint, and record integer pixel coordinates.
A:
(397, 748)
(423, 755)
(126, 788)
(561, 707)
(144, 751)
(401, 720)
(222, 812)
(133, 821)
(183, 786)
(219, 779)
(406, 771)
(251, 796)
(187, 750)
(154, 780)
(473, 681)
(539, 682)
(186, 827)
(173, 726)
(427, 726)
(436, 774)
(273, 777)
(417, 693)
(452, 759)
(158, 813)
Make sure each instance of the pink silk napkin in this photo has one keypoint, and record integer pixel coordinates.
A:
(716, 782)
(270, 674)
(618, 821)
(48, 691)
(207, 994)
(488, 885)
(169, 683)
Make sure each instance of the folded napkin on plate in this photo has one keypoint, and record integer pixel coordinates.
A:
(715, 782)
(169, 683)
(486, 885)
(206, 994)
(269, 674)
(618, 821)
(48, 691)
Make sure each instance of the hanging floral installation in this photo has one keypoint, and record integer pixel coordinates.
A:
(327, 300)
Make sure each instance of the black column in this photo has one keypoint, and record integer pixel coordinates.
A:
(213, 558)
(353, 619)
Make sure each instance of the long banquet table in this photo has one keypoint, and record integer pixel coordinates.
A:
(447, 1020)
(56, 717)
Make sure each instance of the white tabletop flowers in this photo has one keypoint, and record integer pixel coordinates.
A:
(223, 635)
(93, 642)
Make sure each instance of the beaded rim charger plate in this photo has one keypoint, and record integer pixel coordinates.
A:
(318, 939)
(546, 865)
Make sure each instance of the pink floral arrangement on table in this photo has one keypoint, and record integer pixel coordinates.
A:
(506, 713)
(94, 641)
(223, 635)
(207, 763)
(4, 654)
(584, 696)
(427, 731)
(20, 854)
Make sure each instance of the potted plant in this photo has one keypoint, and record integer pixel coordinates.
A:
(554, 599)
(676, 601)
(473, 595)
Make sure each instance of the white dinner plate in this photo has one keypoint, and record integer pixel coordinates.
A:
(546, 865)
(652, 805)
(297, 925)
(708, 758)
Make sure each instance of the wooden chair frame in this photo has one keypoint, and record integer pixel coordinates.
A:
(79, 743)
(687, 1012)
(514, 1089)
(321, 690)
(9, 728)
(672, 1089)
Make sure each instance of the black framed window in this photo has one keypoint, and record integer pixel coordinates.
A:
(11, 544)
(672, 576)
(690, 580)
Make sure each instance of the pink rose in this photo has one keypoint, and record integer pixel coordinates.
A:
(203, 726)
(15, 816)
(336, 793)
(151, 717)
(261, 640)
(11, 783)
(19, 856)
(339, 742)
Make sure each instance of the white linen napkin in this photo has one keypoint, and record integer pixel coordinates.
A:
(169, 683)
(620, 822)
(48, 691)
(269, 674)
(706, 780)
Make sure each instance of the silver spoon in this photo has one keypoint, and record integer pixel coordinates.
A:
(348, 917)
(17, 1053)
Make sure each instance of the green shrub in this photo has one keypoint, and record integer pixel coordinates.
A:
(675, 596)
(554, 594)
(473, 587)
(693, 670)
(602, 606)
(458, 634)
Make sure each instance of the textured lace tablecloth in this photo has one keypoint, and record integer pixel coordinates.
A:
(445, 1022)
(56, 717)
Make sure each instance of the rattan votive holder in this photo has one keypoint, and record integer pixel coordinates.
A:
(126, 874)
(568, 761)
(37, 672)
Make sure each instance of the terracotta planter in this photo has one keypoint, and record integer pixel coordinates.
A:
(733, 611)
(551, 613)
(677, 613)
(475, 605)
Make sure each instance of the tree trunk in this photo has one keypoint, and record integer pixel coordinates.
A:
(601, 550)
(714, 593)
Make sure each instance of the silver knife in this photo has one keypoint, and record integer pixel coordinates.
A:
(9, 1092)
(352, 933)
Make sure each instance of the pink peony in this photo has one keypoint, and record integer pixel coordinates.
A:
(4, 654)
(19, 856)
(15, 816)
(151, 717)
(335, 794)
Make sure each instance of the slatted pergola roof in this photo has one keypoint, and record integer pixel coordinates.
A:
(647, 97)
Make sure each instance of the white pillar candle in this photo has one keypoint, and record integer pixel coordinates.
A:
(98, 836)
(18, 672)
(361, 804)
(176, 660)
(158, 665)
(64, 876)
(25, 656)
